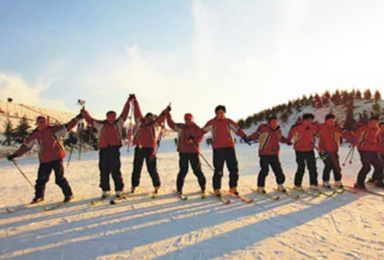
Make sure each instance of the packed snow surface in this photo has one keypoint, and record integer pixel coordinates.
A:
(347, 226)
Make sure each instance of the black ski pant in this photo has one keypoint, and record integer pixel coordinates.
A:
(184, 160)
(221, 156)
(331, 163)
(109, 164)
(43, 175)
(151, 161)
(369, 158)
(274, 162)
(309, 159)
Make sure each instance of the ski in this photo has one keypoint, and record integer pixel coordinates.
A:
(241, 198)
(203, 196)
(181, 196)
(267, 195)
(368, 191)
(288, 194)
(19, 208)
(317, 194)
(117, 200)
(55, 206)
(224, 201)
(98, 201)
(328, 194)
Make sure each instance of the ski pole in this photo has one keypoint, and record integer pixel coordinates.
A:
(70, 155)
(348, 155)
(81, 102)
(130, 125)
(353, 152)
(22, 173)
(210, 166)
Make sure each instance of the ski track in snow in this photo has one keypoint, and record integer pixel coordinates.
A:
(347, 226)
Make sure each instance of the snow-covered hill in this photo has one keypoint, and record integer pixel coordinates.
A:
(360, 107)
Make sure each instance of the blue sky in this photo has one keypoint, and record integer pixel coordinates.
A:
(247, 55)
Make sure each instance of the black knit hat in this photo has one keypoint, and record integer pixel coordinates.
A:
(308, 116)
(220, 107)
(271, 118)
(330, 116)
(111, 112)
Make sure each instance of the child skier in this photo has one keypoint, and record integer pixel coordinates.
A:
(269, 136)
(224, 149)
(110, 131)
(367, 140)
(51, 154)
(329, 143)
(146, 137)
(189, 136)
(303, 136)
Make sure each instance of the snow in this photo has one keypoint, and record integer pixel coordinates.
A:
(347, 226)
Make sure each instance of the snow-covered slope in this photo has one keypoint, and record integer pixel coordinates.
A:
(17, 111)
(347, 226)
(360, 106)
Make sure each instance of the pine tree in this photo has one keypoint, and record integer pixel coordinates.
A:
(376, 108)
(241, 123)
(350, 120)
(358, 95)
(367, 94)
(377, 96)
(9, 132)
(336, 97)
(22, 130)
(326, 98)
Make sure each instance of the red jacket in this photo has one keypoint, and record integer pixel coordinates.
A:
(146, 136)
(367, 139)
(269, 139)
(303, 137)
(48, 142)
(221, 132)
(110, 134)
(184, 133)
(329, 137)
(381, 143)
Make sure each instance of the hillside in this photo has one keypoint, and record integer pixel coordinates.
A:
(349, 109)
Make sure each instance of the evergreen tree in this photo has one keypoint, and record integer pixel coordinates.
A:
(326, 98)
(9, 132)
(376, 108)
(284, 117)
(358, 95)
(248, 122)
(22, 130)
(241, 123)
(350, 120)
(367, 94)
(377, 96)
(336, 97)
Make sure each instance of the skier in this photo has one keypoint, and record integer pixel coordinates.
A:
(146, 138)
(189, 136)
(51, 154)
(303, 135)
(329, 142)
(110, 131)
(269, 136)
(367, 140)
(224, 149)
(381, 144)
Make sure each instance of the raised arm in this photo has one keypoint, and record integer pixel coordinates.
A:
(172, 124)
(25, 147)
(137, 111)
(124, 113)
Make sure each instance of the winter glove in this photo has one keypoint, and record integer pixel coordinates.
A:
(247, 140)
(190, 139)
(11, 157)
(132, 97)
(80, 116)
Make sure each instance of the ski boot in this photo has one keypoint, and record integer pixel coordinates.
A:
(105, 195)
(68, 198)
(338, 185)
(234, 191)
(217, 193)
(36, 200)
(327, 185)
(314, 187)
(134, 190)
(261, 190)
(379, 184)
(298, 188)
(281, 188)
(360, 186)
(203, 194)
